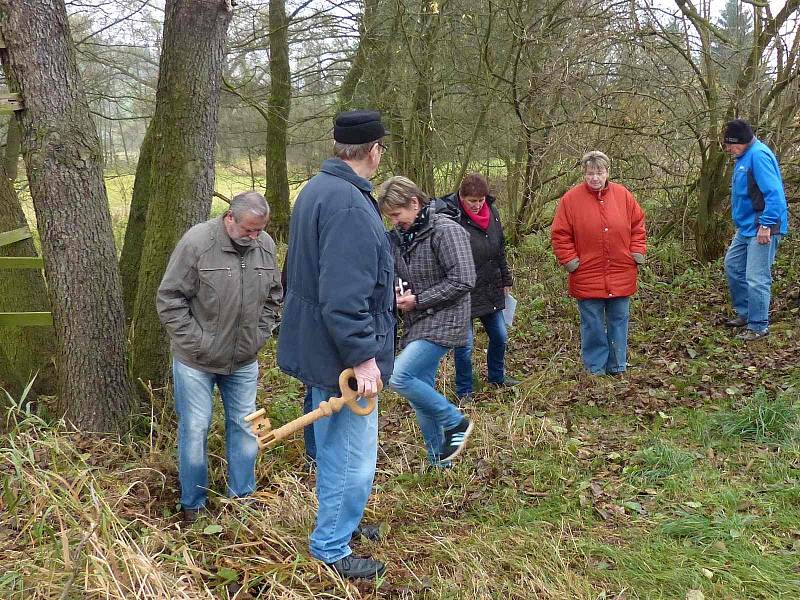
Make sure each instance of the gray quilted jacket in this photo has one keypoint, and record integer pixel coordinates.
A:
(439, 270)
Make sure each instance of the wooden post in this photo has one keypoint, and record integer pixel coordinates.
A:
(9, 237)
(21, 262)
(26, 319)
(10, 103)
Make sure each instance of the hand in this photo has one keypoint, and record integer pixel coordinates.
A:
(764, 235)
(367, 376)
(507, 290)
(407, 302)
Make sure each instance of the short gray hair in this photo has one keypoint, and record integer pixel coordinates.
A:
(249, 202)
(595, 159)
(352, 151)
(396, 192)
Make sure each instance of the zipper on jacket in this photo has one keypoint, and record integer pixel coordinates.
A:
(228, 269)
(239, 317)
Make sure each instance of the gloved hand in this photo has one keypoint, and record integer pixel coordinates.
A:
(572, 265)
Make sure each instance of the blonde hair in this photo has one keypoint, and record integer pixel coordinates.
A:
(595, 159)
(397, 192)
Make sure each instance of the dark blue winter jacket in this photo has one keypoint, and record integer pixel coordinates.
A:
(339, 304)
(759, 161)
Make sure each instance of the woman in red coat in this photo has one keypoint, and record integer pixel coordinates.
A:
(598, 236)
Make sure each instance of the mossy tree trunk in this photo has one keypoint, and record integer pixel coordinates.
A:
(368, 49)
(131, 257)
(712, 224)
(13, 149)
(280, 97)
(24, 351)
(65, 172)
(178, 178)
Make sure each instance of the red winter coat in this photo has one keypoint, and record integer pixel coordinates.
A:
(601, 229)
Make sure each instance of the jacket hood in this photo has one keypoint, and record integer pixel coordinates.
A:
(338, 168)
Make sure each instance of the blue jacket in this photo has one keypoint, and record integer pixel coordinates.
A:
(759, 160)
(339, 303)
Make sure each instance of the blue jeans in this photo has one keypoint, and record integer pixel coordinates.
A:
(748, 266)
(308, 430)
(414, 378)
(193, 391)
(347, 450)
(604, 334)
(496, 330)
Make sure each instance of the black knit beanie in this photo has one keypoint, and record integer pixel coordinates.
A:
(738, 131)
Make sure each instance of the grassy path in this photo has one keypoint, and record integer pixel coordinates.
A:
(681, 480)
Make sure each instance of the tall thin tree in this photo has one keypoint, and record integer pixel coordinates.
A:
(280, 97)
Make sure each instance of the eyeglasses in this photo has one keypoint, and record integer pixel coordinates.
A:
(382, 146)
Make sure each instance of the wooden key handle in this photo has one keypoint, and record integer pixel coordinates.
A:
(347, 383)
(268, 437)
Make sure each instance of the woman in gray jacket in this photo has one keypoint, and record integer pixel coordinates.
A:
(434, 275)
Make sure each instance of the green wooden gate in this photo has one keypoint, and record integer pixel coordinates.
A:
(22, 319)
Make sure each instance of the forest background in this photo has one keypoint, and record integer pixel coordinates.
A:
(152, 114)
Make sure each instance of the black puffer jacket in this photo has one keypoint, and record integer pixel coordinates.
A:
(488, 253)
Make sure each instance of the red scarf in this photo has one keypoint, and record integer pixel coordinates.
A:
(480, 218)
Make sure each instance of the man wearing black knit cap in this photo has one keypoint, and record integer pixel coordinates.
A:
(339, 313)
(758, 207)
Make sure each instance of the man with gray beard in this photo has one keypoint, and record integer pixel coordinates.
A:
(219, 301)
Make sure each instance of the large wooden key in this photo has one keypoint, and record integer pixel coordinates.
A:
(267, 437)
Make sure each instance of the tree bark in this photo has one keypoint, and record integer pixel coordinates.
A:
(280, 97)
(131, 257)
(367, 47)
(711, 225)
(13, 149)
(65, 173)
(24, 351)
(179, 177)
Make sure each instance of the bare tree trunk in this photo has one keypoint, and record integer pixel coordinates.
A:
(13, 149)
(712, 224)
(24, 351)
(65, 172)
(280, 97)
(420, 133)
(367, 46)
(131, 257)
(179, 177)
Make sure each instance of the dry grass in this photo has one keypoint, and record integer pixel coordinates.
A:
(572, 488)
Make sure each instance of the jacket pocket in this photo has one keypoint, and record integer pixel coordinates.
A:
(267, 278)
(207, 273)
(382, 298)
(206, 341)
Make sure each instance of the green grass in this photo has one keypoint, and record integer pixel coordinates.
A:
(684, 475)
(762, 418)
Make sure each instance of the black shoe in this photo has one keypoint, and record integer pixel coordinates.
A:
(464, 399)
(507, 382)
(190, 515)
(455, 440)
(368, 531)
(356, 567)
(737, 322)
